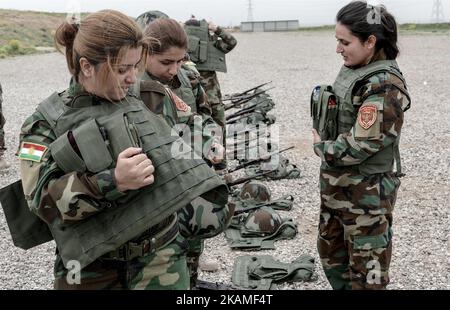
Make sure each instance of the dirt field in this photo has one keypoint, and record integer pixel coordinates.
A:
(295, 62)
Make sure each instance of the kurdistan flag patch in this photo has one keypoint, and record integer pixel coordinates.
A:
(32, 151)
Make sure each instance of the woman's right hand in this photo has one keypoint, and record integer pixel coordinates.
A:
(133, 170)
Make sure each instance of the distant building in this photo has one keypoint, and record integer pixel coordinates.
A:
(264, 26)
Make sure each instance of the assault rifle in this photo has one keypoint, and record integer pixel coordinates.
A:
(214, 286)
(230, 97)
(230, 182)
(258, 160)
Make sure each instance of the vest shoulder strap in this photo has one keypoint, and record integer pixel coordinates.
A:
(52, 108)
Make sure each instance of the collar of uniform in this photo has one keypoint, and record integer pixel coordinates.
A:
(75, 88)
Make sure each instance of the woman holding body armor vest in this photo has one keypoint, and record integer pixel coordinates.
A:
(97, 168)
(357, 137)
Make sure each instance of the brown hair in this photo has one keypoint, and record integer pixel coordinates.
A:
(168, 33)
(104, 36)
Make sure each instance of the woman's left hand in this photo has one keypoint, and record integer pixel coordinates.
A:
(316, 136)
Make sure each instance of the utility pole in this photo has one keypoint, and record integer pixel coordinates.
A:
(250, 11)
(437, 14)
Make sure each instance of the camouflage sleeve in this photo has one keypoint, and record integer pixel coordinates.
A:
(51, 193)
(203, 106)
(378, 123)
(204, 217)
(225, 42)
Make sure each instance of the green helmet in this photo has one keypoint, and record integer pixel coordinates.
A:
(262, 222)
(146, 18)
(255, 192)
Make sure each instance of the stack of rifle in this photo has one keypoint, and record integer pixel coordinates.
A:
(249, 137)
(250, 106)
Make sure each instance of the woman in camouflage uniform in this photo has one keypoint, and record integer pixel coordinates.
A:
(114, 216)
(165, 64)
(358, 187)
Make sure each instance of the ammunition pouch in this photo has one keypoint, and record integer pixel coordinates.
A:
(27, 229)
(95, 145)
(324, 112)
(262, 272)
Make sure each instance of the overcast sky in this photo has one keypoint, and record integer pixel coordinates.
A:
(232, 12)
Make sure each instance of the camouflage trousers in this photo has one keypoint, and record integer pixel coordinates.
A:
(355, 229)
(165, 269)
(195, 249)
(199, 220)
(210, 84)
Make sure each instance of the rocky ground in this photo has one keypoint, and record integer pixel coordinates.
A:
(295, 62)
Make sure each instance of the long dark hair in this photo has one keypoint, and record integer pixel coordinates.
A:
(364, 20)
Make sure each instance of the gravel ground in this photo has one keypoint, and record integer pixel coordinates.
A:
(295, 62)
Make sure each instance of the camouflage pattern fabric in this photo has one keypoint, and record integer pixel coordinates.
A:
(225, 42)
(2, 123)
(165, 269)
(201, 218)
(355, 236)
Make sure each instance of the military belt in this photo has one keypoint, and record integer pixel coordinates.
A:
(153, 239)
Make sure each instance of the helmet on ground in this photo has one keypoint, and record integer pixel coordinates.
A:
(263, 221)
(255, 191)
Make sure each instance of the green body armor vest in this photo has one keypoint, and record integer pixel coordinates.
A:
(202, 49)
(333, 112)
(101, 132)
(263, 272)
(185, 91)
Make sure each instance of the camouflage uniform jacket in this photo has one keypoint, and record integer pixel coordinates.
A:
(201, 100)
(44, 183)
(341, 157)
(225, 42)
(175, 111)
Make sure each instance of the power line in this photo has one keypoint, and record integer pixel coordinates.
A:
(250, 11)
(437, 14)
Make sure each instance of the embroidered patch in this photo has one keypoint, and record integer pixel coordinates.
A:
(367, 116)
(179, 103)
(32, 151)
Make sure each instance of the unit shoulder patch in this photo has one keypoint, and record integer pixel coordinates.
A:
(179, 103)
(32, 151)
(367, 115)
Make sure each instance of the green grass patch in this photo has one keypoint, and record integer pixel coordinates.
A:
(15, 48)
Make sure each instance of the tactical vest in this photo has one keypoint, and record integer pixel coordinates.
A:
(334, 113)
(101, 131)
(202, 49)
(185, 91)
(263, 271)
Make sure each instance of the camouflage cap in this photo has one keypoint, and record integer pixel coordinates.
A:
(255, 192)
(263, 221)
(146, 18)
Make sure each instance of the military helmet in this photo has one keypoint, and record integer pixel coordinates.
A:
(146, 18)
(263, 221)
(255, 191)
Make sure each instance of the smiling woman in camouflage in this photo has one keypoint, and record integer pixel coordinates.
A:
(357, 124)
(97, 168)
